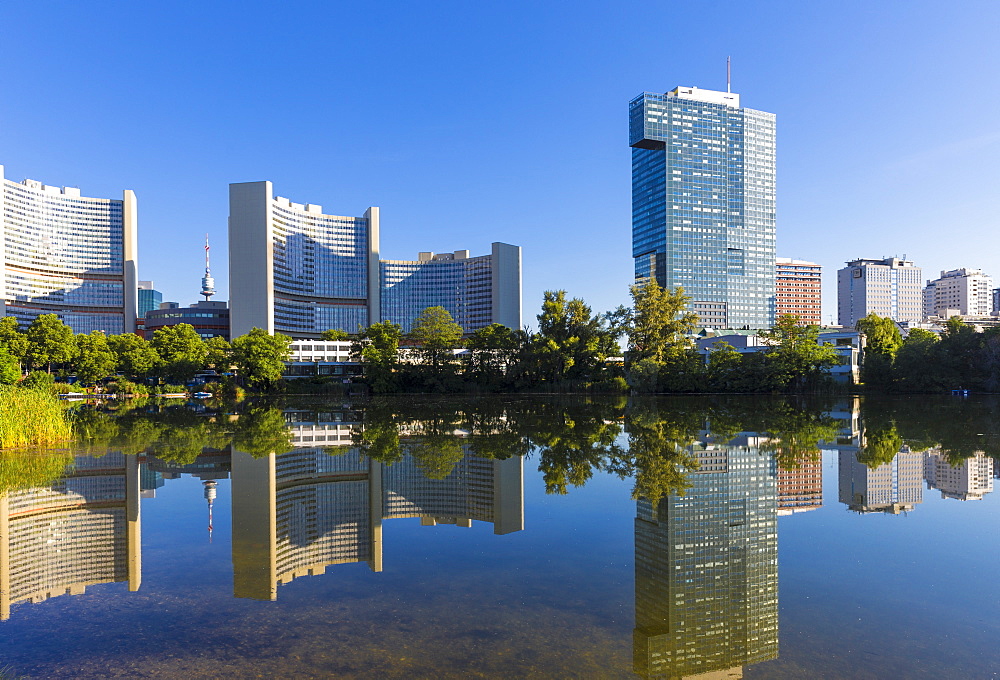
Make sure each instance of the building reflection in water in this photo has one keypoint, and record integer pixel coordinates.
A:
(83, 530)
(706, 568)
(969, 481)
(297, 513)
(892, 488)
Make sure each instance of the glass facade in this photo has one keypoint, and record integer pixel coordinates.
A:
(462, 285)
(706, 567)
(64, 254)
(320, 270)
(703, 202)
(149, 299)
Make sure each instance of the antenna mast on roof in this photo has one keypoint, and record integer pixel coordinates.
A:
(729, 73)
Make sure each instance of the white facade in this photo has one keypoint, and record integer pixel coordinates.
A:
(294, 269)
(959, 292)
(69, 255)
(969, 481)
(890, 287)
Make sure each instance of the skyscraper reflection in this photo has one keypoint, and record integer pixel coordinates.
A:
(295, 514)
(83, 530)
(706, 568)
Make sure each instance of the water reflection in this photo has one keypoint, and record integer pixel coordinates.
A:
(312, 486)
(296, 513)
(706, 566)
(82, 530)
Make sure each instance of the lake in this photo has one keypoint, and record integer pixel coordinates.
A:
(497, 537)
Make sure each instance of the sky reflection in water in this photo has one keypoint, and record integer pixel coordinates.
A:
(509, 538)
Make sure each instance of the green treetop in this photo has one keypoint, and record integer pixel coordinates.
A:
(94, 359)
(50, 341)
(219, 353)
(181, 350)
(136, 358)
(657, 324)
(13, 339)
(260, 357)
(438, 334)
(378, 348)
(334, 334)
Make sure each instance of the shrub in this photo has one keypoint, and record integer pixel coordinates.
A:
(39, 380)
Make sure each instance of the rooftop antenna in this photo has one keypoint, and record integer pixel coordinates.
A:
(207, 282)
(729, 73)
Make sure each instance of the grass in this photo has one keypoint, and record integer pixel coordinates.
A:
(31, 417)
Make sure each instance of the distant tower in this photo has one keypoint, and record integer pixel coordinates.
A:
(207, 282)
(210, 494)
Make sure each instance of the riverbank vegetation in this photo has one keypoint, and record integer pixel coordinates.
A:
(31, 417)
(957, 358)
(576, 350)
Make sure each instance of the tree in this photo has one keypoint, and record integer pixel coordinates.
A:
(378, 349)
(917, 366)
(182, 351)
(13, 339)
(438, 334)
(657, 325)
(136, 357)
(10, 369)
(260, 357)
(94, 359)
(491, 352)
(50, 341)
(572, 343)
(882, 343)
(219, 353)
(794, 354)
(334, 334)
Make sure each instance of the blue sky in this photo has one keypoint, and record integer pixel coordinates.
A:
(474, 122)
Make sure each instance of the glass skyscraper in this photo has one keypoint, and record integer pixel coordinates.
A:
(703, 202)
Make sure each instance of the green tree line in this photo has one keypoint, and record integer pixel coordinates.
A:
(576, 349)
(959, 357)
(174, 355)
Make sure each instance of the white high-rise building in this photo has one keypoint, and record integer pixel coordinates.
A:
(890, 287)
(961, 292)
(69, 255)
(295, 270)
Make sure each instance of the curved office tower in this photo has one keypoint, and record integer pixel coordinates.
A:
(69, 255)
(476, 291)
(295, 270)
(703, 202)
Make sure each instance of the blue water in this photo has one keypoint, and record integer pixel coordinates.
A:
(858, 595)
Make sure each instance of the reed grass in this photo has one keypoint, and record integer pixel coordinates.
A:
(31, 417)
(32, 469)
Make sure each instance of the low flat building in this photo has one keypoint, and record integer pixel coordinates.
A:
(210, 319)
(311, 358)
(849, 344)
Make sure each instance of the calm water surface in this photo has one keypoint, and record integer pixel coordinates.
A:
(569, 538)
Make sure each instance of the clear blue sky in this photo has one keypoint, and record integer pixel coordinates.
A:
(473, 122)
